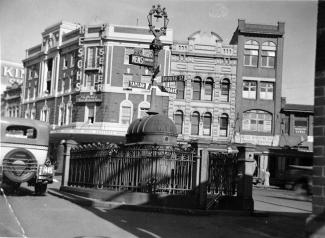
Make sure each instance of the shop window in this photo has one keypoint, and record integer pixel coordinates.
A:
(249, 89)
(224, 121)
(208, 89)
(268, 54)
(196, 85)
(178, 118)
(207, 122)
(180, 85)
(251, 53)
(195, 122)
(256, 120)
(266, 90)
(225, 86)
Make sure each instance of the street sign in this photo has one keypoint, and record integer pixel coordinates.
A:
(134, 84)
(170, 90)
(141, 60)
(172, 78)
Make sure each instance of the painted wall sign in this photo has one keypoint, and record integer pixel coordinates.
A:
(99, 78)
(11, 73)
(80, 63)
(89, 98)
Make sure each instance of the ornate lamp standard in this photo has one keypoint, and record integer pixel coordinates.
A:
(156, 46)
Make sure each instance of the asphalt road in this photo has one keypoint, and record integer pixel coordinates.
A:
(22, 214)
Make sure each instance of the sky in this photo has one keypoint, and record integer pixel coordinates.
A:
(23, 21)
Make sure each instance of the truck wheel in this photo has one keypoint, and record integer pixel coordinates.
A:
(40, 188)
(19, 165)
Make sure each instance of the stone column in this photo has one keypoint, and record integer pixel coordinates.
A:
(66, 161)
(246, 167)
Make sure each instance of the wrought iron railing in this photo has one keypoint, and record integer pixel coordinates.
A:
(222, 180)
(136, 168)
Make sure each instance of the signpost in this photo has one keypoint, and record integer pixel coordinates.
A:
(173, 78)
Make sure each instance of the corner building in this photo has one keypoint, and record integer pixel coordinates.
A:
(204, 107)
(80, 81)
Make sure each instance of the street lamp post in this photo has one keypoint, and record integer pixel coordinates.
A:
(156, 46)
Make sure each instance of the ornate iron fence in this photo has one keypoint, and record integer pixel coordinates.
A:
(136, 168)
(222, 180)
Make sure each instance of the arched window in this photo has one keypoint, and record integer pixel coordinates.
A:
(17, 111)
(27, 113)
(68, 114)
(251, 53)
(257, 120)
(268, 54)
(224, 121)
(61, 115)
(178, 118)
(45, 114)
(208, 89)
(180, 85)
(225, 86)
(207, 121)
(33, 113)
(195, 122)
(143, 108)
(196, 85)
(126, 112)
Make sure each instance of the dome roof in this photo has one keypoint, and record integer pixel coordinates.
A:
(152, 129)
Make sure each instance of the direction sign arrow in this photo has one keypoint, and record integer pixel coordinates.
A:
(141, 60)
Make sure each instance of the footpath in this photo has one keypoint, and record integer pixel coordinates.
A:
(275, 219)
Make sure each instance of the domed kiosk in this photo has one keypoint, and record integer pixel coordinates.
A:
(152, 129)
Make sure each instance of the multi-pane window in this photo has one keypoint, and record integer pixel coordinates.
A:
(301, 125)
(266, 90)
(208, 89)
(91, 57)
(251, 53)
(225, 85)
(90, 79)
(179, 117)
(207, 121)
(256, 120)
(180, 85)
(268, 54)
(224, 120)
(195, 122)
(196, 85)
(249, 89)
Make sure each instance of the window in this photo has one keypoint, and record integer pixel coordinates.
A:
(268, 54)
(33, 114)
(224, 121)
(249, 89)
(225, 85)
(126, 112)
(178, 118)
(143, 108)
(61, 115)
(72, 60)
(68, 114)
(208, 89)
(266, 90)
(146, 79)
(65, 62)
(128, 51)
(207, 120)
(91, 57)
(45, 113)
(27, 113)
(63, 85)
(196, 85)
(301, 125)
(256, 120)
(195, 122)
(90, 113)
(251, 53)
(180, 85)
(126, 79)
(90, 79)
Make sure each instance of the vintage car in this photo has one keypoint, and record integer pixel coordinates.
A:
(24, 153)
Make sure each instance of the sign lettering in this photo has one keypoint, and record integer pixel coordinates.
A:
(141, 60)
(89, 98)
(134, 84)
(173, 78)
